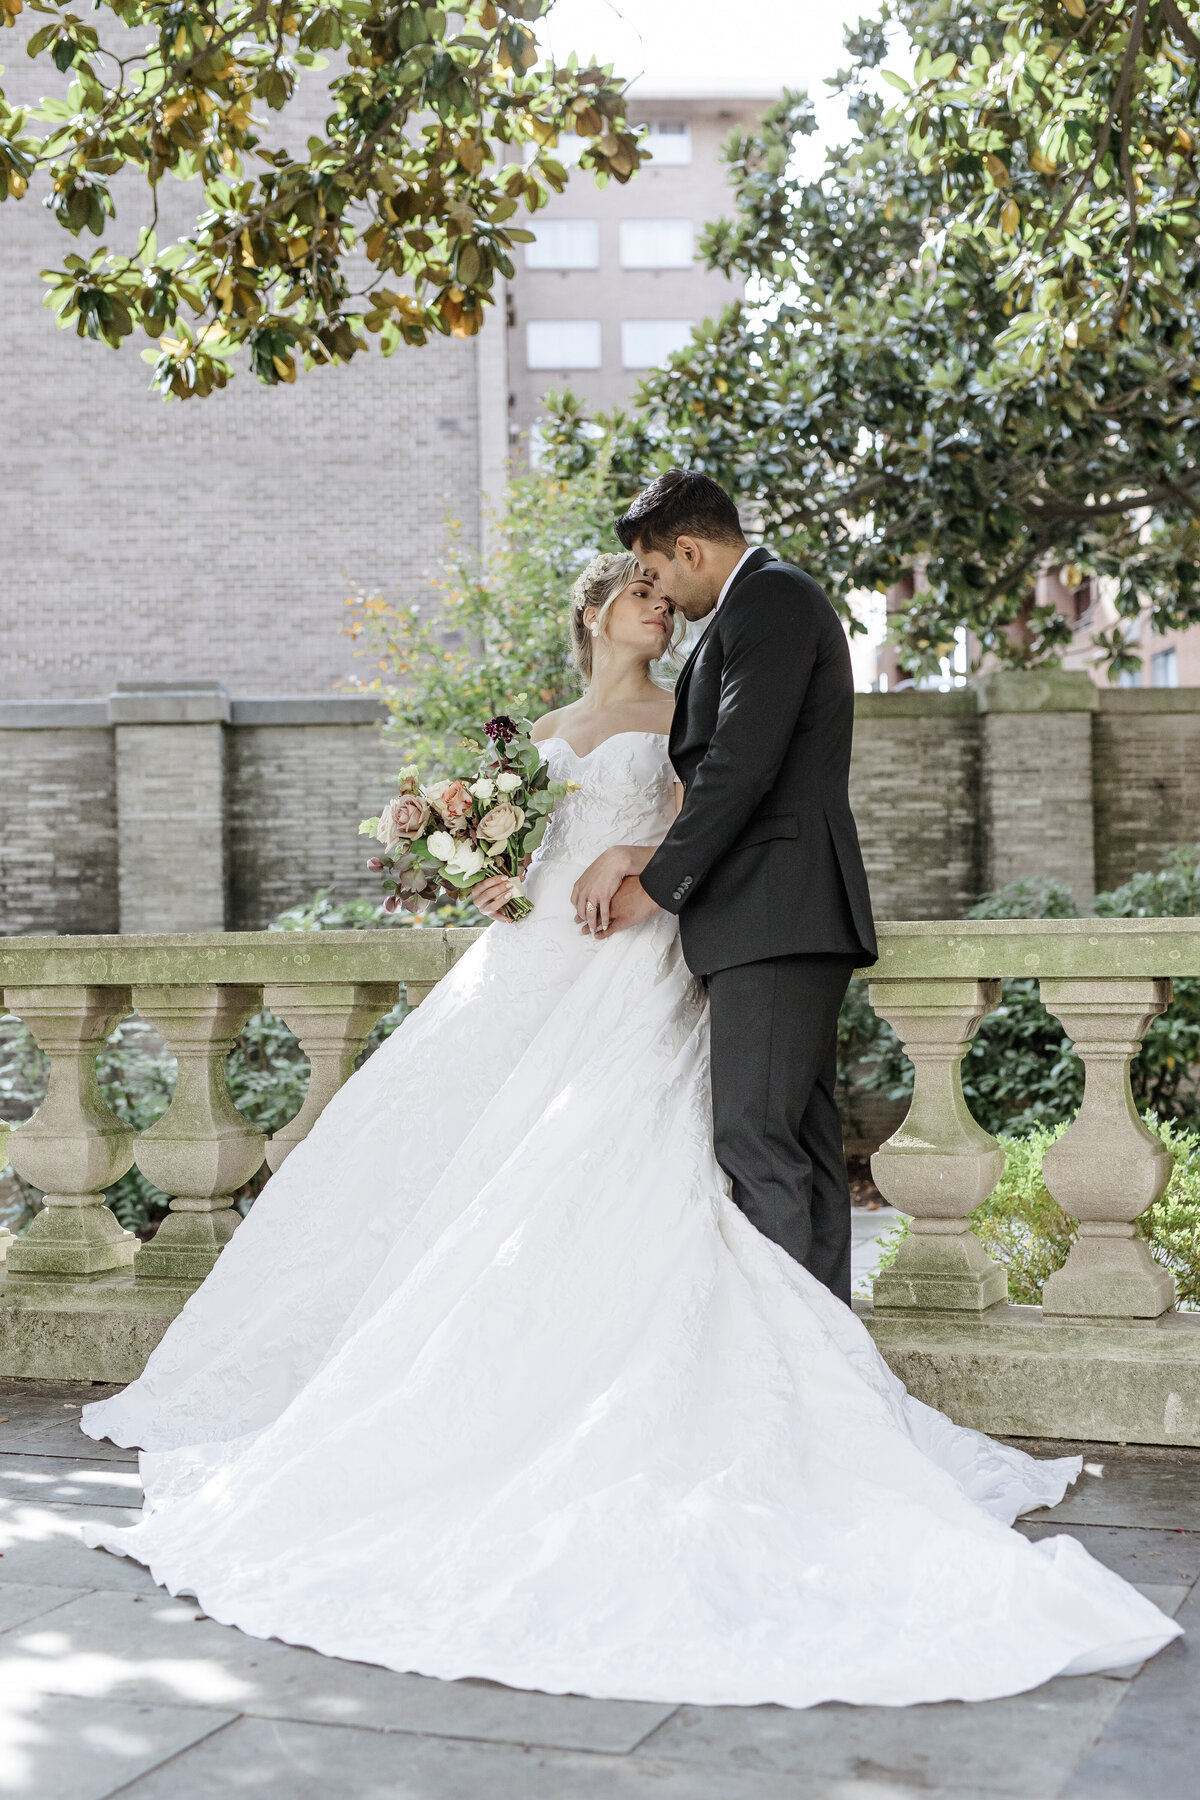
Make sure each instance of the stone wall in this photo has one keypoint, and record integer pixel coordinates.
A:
(179, 808)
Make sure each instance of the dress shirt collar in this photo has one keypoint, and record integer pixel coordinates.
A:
(729, 579)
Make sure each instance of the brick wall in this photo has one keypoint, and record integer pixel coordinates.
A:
(914, 787)
(294, 796)
(1146, 755)
(58, 829)
(146, 539)
(258, 807)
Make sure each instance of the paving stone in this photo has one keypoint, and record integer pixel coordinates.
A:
(1132, 1551)
(1168, 1600)
(58, 1558)
(1025, 1745)
(286, 1761)
(70, 1479)
(67, 1749)
(26, 1521)
(1127, 1489)
(162, 1649)
(1151, 1743)
(21, 1601)
(58, 1437)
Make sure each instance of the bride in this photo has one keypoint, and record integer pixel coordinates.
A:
(495, 1380)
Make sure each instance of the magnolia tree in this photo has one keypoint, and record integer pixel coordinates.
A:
(441, 125)
(969, 354)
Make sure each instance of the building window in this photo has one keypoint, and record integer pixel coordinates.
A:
(564, 244)
(657, 244)
(1164, 668)
(645, 343)
(562, 344)
(1130, 678)
(669, 141)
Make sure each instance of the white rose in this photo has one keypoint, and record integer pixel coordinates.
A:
(468, 859)
(441, 845)
(508, 782)
(483, 789)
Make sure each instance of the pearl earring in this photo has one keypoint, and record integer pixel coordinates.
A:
(595, 630)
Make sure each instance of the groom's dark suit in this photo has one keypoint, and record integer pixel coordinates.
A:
(763, 868)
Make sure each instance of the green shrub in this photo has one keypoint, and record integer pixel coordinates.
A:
(1029, 1234)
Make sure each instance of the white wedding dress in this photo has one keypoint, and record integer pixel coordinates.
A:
(496, 1381)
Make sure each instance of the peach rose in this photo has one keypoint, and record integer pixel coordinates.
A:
(501, 822)
(452, 799)
(403, 819)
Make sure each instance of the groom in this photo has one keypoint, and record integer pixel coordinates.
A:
(762, 865)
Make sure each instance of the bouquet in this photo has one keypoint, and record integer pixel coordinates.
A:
(448, 836)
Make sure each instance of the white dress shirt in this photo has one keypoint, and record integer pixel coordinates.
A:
(748, 551)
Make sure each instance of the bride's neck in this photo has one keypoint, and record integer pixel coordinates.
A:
(615, 683)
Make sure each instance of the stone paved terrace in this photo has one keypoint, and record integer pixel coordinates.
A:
(109, 1687)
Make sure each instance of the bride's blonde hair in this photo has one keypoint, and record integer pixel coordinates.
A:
(604, 578)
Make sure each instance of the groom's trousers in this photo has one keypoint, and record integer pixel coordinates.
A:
(776, 1127)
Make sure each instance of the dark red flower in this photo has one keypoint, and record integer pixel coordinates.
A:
(501, 729)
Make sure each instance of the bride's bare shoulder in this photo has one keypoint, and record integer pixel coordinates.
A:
(546, 726)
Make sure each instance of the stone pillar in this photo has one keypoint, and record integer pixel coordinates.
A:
(1107, 1169)
(333, 1020)
(1037, 812)
(940, 1164)
(202, 1149)
(170, 758)
(74, 1146)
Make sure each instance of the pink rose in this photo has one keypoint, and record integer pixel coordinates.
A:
(403, 819)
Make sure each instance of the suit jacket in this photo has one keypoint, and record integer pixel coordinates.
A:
(763, 860)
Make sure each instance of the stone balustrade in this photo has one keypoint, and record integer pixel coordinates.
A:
(1106, 1355)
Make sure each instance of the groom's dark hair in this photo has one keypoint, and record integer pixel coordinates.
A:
(680, 504)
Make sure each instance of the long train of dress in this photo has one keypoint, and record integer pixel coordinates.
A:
(495, 1380)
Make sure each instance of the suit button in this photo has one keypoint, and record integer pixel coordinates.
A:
(678, 894)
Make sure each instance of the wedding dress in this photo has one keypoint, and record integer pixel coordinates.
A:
(496, 1381)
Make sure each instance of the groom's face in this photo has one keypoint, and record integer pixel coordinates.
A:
(684, 578)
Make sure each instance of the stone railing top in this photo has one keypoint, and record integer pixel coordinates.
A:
(928, 949)
(254, 957)
(201, 703)
(985, 948)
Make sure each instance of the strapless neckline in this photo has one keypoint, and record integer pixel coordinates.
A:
(612, 738)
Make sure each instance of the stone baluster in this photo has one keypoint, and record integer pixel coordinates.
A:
(6, 1236)
(202, 1150)
(332, 1020)
(1107, 1168)
(74, 1146)
(940, 1164)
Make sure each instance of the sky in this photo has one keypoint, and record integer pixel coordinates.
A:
(695, 44)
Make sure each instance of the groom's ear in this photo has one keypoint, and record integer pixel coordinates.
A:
(689, 551)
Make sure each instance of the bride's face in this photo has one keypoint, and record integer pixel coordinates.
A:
(640, 621)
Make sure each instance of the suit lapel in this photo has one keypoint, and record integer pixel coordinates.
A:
(754, 561)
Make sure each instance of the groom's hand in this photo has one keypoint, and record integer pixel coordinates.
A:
(629, 906)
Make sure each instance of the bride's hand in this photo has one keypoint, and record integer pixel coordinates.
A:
(593, 892)
(493, 895)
